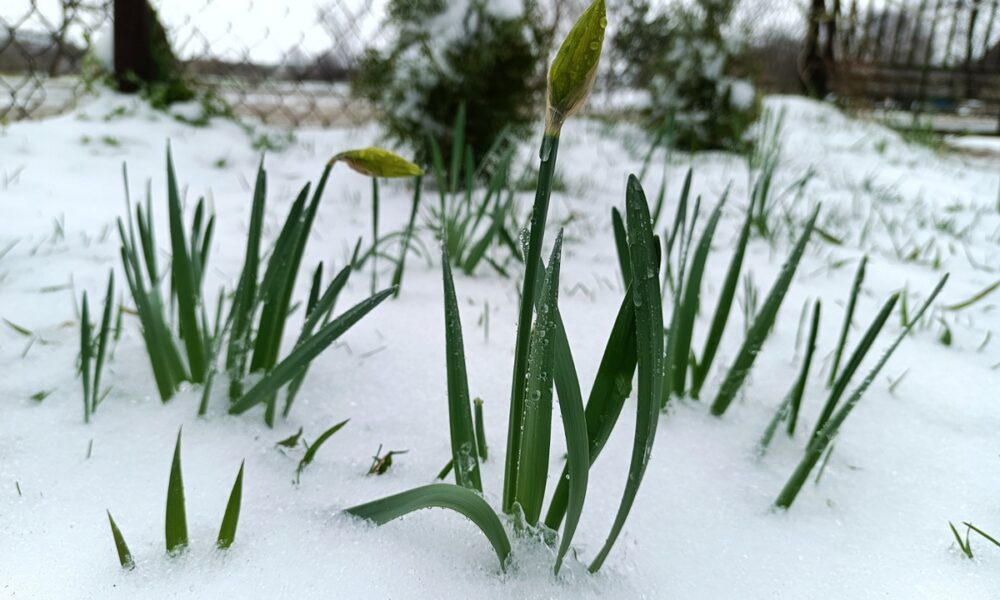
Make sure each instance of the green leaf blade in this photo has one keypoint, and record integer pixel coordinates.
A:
(463, 436)
(231, 518)
(440, 495)
(649, 348)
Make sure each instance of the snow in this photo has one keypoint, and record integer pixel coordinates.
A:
(906, 461)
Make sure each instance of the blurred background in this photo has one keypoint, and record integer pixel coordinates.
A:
(927, 63)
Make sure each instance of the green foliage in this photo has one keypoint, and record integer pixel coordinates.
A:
(440, 495)
(824, 437)
(437, 61)
(463, 435)
(686, 59)
(124, 554)
(231, 518)
(175, 529)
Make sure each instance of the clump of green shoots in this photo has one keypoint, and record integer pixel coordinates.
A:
(543, 360)
(966, 545)
(94, 350)
(175, 522)
(468, 223)
(835, 412)
(249, 334)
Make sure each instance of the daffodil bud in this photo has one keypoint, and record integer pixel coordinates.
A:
(572, 73)
(378, 162)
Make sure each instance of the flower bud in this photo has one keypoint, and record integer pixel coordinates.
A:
(572, 73)
(378, 162)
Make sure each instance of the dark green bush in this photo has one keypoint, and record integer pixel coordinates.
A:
(688, 62)
(446, 53)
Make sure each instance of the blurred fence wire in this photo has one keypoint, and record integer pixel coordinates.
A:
(288, 62)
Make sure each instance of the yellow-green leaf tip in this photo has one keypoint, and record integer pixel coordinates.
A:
(572, 73)
(378, 162)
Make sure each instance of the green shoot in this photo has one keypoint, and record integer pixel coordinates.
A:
(818, 445)
(533, 455)
(762, 324)
(463, 436)
(649, 346)
(477, 405)
(440, 495)
(227, 532)
(124, 554)
(312, 449)
(175, 530)
(848, 318)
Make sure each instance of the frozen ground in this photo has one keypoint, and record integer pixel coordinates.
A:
(906, 463)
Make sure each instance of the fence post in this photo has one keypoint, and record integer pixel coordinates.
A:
(133, 50)
(813, 69)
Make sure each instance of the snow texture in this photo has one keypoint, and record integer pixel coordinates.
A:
(906, 462)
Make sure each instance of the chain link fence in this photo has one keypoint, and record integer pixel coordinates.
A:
(290, 63)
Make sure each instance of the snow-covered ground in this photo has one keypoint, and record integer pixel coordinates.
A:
(907, 462)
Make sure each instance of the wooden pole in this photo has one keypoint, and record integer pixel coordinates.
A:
(133, 52)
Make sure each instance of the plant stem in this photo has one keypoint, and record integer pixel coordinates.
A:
(374, 234)
(539, 213)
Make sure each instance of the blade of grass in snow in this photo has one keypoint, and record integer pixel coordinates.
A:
(175, 530)
(762, 323)
(859, 279)
(574, 419)
(323, 307)
(621, 245)
(816, 447)
(374, 233)
(649, 342)
(124, 554)
(440, 495)
(692, 299)
(102, 341)
(463, 435)
(310, 454)
(304, 353)
(853, 363)
(85, 351)
(800, 382)
(533, 454)
(185, 281)
(231, 518)
(397, 276)
(789, 407)
(612, 386)
(244, 300)
(723, 308)
(975, 297)
(480, 428)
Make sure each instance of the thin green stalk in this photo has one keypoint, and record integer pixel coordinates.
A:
(800, 382)
(374, 233)
(231, 518)
(539, 213)
(649, 348)
(397, 276)
(176, 532)
(86, 347)
(762, 323)
(859, 279)
(814, 451)
(533, 455)
(477, 405)
(864, 345)
(463, 435)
